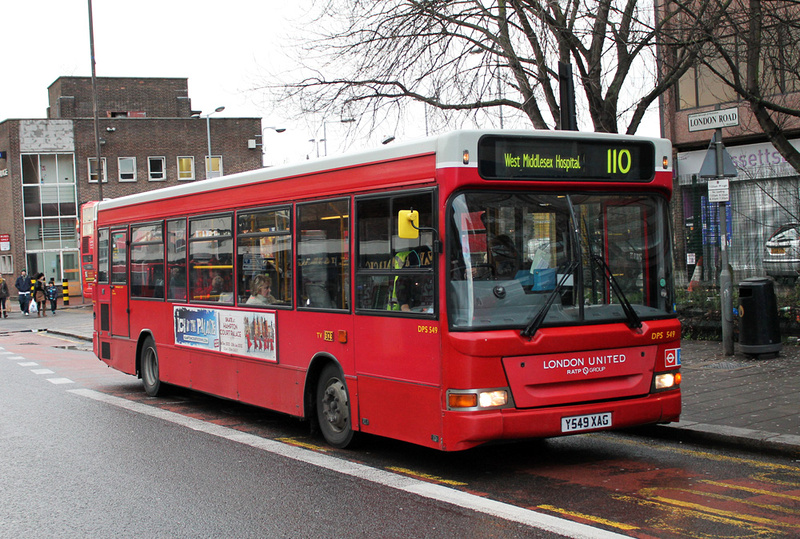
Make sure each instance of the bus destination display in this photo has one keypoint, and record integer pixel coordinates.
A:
(518, 158)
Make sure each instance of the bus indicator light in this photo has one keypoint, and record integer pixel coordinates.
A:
(462, 400)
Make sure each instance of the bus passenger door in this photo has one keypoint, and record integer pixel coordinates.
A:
(119, 284)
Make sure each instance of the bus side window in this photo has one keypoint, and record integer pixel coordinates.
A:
(147, 261)
(394, 273)
(211, 259)
(264, 253)
(323, 255)
(102, 256)
(176, 260)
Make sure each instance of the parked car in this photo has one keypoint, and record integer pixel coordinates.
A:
(782, 255)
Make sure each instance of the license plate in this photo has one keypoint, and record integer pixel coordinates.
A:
(777, 250)
(586, 422)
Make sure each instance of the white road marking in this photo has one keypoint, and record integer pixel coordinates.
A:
(42, 371)
(27, 364)
(60, 381)
(432, 491)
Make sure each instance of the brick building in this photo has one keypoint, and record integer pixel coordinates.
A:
(150, 138)
(766, 193)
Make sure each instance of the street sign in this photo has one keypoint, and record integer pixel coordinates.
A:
(713, 119)
(718, 191)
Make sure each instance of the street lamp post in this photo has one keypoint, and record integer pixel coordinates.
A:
(264, 146)
(208, 134)
(325, 131)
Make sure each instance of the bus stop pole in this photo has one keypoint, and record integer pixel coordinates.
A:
(725, 278)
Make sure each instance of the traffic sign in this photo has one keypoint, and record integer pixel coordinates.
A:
(714, 119)
(709, 167)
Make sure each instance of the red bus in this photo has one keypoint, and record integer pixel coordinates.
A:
(470, 287)
(86, 233)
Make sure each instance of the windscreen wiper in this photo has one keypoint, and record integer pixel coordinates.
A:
(531, 329)
(633, 319)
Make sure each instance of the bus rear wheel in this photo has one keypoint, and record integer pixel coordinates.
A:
(149, 368)
(333, 408)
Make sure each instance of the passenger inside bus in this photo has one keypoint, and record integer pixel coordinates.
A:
(177, 283)
(261, 291)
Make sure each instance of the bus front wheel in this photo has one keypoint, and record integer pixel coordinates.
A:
(149, 368)
(333, 408)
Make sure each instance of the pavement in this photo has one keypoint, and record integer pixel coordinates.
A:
(740, 401)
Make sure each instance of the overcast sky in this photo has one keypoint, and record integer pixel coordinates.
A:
(224, 49)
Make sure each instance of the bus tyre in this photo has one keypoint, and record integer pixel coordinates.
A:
(333, 407)
(149, 368)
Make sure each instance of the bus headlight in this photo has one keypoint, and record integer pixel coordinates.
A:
(490, 399)
(667, 380)
(477, 399)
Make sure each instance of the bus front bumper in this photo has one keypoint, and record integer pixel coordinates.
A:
(468, 429)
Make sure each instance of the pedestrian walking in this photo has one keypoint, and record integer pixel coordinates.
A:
(52, 294)
(3, 297)
(24, 285)
(40, 295)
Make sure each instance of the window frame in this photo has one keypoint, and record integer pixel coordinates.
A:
(112, 258)
(287, 233)
(103, 161)
(190, 241)
(133, 245)
(151, 174)
(103, 269)
(428, 272)
(132, 172)
(177, 263)
(346, 242)
(181, 172)
(210, 160)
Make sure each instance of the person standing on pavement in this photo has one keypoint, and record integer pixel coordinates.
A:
(52, 294)
(3, 297)
(40, 295)
(24, 286)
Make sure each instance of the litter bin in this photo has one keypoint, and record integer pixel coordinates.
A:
(759, 329)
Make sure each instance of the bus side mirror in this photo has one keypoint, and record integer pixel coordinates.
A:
(408, 224)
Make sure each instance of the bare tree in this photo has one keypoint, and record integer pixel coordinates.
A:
(476, 56)
(752, 48)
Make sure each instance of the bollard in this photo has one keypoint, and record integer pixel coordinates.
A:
(65, 285)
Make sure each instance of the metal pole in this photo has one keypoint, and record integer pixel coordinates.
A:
(100, 175)
(725, 278)
(208, 137)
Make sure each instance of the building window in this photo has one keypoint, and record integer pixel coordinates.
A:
(213, 166)
(157, 169)
(7, 264)
(93, 169)
(185, 168)
(127, 169)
